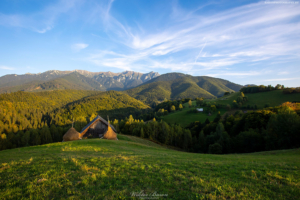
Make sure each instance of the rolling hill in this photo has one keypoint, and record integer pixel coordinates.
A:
(104, 169)
(177, 86)
(113, 103)
(26, 110)
(272, 98)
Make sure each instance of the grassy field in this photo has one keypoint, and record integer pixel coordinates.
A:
(103, 169)
(185, 117)
(273, 98)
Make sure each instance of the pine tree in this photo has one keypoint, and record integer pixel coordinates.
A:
(202, 142)
(218, 117)
(25, 139)
(45, 135)
(55, 134)
(207, 121)
(187, 139)
(142, 133)
(34, 137)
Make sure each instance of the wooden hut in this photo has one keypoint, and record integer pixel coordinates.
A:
(71, 135)
(99, 128)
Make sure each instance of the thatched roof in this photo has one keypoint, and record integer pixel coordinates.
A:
(71, 135)
(94, 120)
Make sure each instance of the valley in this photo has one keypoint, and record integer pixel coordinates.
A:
(237, 142)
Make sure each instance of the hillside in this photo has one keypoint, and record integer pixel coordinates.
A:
(187, 115)
(103, 169)
(272, 98)
(178, 86)
(112, 103)
(22, 111)
(77, 79)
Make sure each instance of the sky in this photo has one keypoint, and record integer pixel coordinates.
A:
(245, 42)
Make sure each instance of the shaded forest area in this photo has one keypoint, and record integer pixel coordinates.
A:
(268, 129)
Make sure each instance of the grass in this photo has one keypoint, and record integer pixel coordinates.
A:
(185, 116)
(103, 169)
(273, 98)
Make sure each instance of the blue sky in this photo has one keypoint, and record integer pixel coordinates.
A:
(249, 42)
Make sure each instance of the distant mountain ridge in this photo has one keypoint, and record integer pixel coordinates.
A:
(149, 87)
(178, 86)
(76, 79)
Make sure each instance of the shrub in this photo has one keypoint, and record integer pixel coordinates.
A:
(215, 148)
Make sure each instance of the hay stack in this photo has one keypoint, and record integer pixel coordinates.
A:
(71, 135)
(110, 134)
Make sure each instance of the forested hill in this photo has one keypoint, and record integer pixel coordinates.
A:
(177, 85)
(115, 104)
(22, 111)
(77, 79)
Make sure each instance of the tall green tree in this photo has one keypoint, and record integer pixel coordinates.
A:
(34, 137)
(45, 135)
(56, 137)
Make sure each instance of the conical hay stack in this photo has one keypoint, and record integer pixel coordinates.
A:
(110, 134)
(71, 135)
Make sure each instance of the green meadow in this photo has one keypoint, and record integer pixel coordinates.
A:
(273, 98)
(186, 116)
(103, 169)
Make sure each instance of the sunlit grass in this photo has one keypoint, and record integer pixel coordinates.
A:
(102, 169)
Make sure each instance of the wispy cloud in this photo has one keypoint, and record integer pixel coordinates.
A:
(247, 34)
(79, 46)
(280, 79)
(251, 73)
(6, 68)
(41, 21)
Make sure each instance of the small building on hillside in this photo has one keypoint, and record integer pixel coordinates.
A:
(199, 109)
(99, 128)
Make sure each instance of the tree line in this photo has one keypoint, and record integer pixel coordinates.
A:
(268, 129)
(261, 88)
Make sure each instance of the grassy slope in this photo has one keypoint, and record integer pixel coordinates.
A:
(274, 98)
(98, 169)
(184, 117)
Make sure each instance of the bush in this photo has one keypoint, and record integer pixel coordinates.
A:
(249, 141)
(215, 148)
(267, 105)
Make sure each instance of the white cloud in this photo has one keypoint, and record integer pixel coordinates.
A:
(246, 34)
(283, 73)
(6, 68)
(251, 73)
(41, 21)
(280, 79)
(79, 46)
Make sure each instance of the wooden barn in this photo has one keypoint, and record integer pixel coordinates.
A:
(99, 128)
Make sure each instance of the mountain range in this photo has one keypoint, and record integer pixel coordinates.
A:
(146, 87)
(77, 79)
